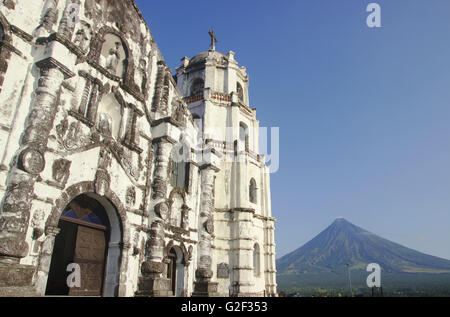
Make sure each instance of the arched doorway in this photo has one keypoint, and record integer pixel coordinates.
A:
(89, 237)
(175, 271)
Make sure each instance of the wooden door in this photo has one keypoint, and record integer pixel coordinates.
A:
(90, 255)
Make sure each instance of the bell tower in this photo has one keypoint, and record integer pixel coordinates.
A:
(215, 88)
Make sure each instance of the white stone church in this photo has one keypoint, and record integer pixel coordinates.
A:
(118, 176)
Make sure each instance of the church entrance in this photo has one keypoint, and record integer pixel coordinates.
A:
(175, 271)
(80, 246)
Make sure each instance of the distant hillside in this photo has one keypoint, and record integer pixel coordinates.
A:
(323, 259)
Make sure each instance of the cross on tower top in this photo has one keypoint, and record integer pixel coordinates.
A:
(214, 40)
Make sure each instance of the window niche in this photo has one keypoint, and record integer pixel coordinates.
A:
(5, 49)
(197, 87)
(2, 34)
(91, 95)
(110, 113)
(114, 55)
(256, 260)
(240, 92)
(244, 135)
(131, 138)
(253, 192)
(179, 169)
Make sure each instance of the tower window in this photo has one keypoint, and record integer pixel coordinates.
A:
(243, 134)
(2, 34)
(179, 172)
(256, 260)
(240, 92)
(253, 191)
(197, 87)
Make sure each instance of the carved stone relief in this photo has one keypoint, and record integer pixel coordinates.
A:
(61, 171)
(83, 36)
(130, 197)
(223, 270)
(179, 112)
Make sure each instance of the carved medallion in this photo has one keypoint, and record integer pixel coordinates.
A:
(162, 210)
(209, 226)
(32, 161)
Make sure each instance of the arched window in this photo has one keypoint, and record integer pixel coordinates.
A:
(240, 92)
(256, 260)
(179, 173)
(2, 34)
(197, 87)
(253, 191)
(243, 134)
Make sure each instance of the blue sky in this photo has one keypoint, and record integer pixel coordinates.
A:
(364, 114)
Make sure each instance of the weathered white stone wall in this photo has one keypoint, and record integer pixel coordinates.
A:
(116, 116)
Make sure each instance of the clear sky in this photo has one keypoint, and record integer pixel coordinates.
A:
(364, 114)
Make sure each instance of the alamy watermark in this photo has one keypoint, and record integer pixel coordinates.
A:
(374, 18)
(374, 278)
(236, 148)
(74, 278)
(73, 14)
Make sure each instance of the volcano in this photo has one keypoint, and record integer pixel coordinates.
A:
(324, 259)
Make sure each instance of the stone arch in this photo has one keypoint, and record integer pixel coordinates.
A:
(179, 272)
(183, 248)
(115, 275)
(96, 50)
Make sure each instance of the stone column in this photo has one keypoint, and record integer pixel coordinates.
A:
(203, 287)
(273, 270)
(45, 259)
(243, 268)
(152, 282)
(29, 163)
(15, 211)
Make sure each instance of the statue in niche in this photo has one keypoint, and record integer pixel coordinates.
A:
(83, 36)
(92, 9)
(105, 124)
(112, 61)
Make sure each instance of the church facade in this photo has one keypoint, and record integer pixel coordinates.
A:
(118, 177)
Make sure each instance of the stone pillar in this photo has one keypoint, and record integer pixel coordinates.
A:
(152, 281)
(29, 163)
(243, 269)
(15, 210)
(203, 287)
(45, 259)
(273, 271)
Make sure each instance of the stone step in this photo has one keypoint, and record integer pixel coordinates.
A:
(12, 291)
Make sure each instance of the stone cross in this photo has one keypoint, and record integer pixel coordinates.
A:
(213, 40)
